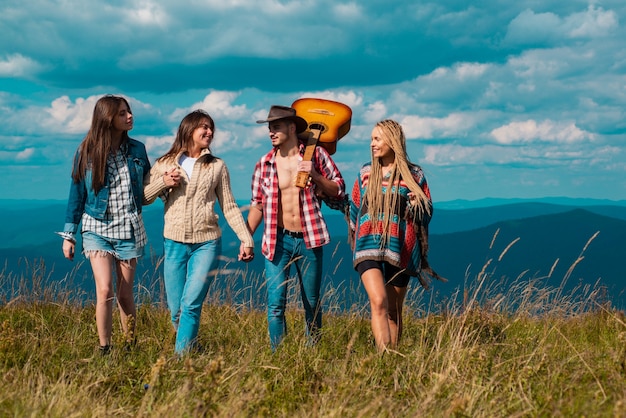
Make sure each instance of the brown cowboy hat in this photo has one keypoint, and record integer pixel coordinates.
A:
(285, 112)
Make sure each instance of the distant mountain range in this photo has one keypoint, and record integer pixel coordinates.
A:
(546, 239)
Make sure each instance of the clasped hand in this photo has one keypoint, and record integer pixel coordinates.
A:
(246, 254)
(171, 177)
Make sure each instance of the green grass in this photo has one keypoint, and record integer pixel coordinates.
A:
(523, 351)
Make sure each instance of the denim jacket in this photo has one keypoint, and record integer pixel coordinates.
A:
(83, 199)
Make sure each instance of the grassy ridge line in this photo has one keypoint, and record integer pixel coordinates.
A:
(524, 351)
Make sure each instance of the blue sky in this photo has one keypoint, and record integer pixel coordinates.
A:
(504, 99)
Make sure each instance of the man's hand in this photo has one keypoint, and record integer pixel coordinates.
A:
(246, 254)
(307, 167)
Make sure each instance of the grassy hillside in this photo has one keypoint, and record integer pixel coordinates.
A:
(533, 351)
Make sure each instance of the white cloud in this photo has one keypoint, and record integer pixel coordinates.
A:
(535, 156)
(375, 112)
(428, 127)
(350, 98)
(13, 156)
(529, 27)
(218, 104)
(592, 23)
(495, 84)
(538, 64)
(547, 131)
(454, 154)
(225, 141)
(18, 66)
(466, 70)
(68, 117)
(25, 154)
(148, 13)
(156, 146)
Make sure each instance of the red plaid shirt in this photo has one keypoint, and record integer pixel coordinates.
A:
(265, 196)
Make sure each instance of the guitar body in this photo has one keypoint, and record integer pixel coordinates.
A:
(328, 121)
(332, 119)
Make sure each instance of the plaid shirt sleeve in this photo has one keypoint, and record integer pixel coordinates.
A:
(326, 167)
(265, 197)
(313, 223)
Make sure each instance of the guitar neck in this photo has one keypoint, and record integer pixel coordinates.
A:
(302, 178)
(310, 146)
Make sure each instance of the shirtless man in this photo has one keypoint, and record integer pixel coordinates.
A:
(294, 230)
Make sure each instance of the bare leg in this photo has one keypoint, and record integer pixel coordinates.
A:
(396, 300)
(101, 264)
(125, 299)
(375, 287)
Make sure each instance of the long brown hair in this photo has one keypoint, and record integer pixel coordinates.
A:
(97, 144)
(384, 204)
(184, 136)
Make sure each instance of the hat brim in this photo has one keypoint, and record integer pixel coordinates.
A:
(301, 124)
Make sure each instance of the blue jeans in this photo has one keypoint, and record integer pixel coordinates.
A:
(308, 264)
(188, 273)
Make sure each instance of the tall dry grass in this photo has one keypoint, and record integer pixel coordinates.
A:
(494, 348)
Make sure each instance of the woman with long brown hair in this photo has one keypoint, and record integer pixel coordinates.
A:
(106, 198)
(190, 180)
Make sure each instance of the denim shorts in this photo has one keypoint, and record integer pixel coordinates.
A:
(122, 249)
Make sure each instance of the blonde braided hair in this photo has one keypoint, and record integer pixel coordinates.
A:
(384, 204)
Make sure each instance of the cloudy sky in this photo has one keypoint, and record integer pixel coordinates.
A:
(504, 99)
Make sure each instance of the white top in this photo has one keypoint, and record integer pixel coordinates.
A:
(187, 164)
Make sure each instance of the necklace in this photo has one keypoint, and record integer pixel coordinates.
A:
(387, 170)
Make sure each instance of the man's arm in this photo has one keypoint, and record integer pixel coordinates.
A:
(329, 182)
(326, 186)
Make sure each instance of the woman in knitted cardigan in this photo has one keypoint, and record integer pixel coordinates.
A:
(390, 208)
(189, 179)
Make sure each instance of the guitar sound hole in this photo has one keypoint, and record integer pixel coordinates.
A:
(322, 128)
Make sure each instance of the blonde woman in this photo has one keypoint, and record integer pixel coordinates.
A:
(390, 208)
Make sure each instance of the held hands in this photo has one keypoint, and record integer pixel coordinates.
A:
(171, 177)
(68, 249)
(246, 254)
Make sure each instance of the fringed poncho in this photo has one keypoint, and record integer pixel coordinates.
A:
(403, 249)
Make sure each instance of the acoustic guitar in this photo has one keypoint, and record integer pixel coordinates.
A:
(328, 121)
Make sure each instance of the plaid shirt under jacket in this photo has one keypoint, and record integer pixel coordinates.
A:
(265, 194)
(122, 220)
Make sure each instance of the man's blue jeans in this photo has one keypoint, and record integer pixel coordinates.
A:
(308, 265)
(188, 273)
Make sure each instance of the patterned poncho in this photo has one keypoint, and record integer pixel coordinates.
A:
(406, 237)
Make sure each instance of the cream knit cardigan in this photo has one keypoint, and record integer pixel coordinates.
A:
(189, 208)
